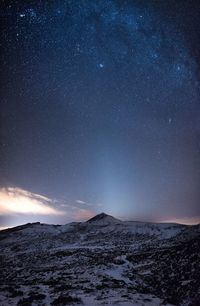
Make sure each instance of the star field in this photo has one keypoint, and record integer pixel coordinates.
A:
(100, 102)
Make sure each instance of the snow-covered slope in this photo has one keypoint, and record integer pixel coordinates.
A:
(102, 229)
(103, 219)
(102, 260)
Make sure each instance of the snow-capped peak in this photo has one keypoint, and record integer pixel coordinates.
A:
(103, 219)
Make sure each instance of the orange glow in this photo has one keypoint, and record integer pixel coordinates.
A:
(16, 200)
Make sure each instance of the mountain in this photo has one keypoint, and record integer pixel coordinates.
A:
(103, 219)
(100, 261)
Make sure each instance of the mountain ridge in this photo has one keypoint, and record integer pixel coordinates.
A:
(95, 219)
(102, 259)
(102, 227)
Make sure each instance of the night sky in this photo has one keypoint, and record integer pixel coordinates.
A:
(99, 110)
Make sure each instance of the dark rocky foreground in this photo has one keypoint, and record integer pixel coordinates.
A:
(104, 261)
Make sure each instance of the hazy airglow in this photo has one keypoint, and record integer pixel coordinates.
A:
(82, 215)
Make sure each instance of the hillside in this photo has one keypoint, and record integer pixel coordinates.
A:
(102, 260)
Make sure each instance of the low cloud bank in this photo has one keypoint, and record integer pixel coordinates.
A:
(19, 206)
(18, 201)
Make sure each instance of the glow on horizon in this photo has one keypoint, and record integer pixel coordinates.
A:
(185, 221)
(19, 206)
(16, 200)
(179, 220)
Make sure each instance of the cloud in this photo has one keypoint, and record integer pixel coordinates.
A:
(88, 204)
(19, 201)
(83, 203)
(80, 202)
(64, 205)
(19, 206)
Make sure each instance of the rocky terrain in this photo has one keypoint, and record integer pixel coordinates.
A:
(103, 261)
